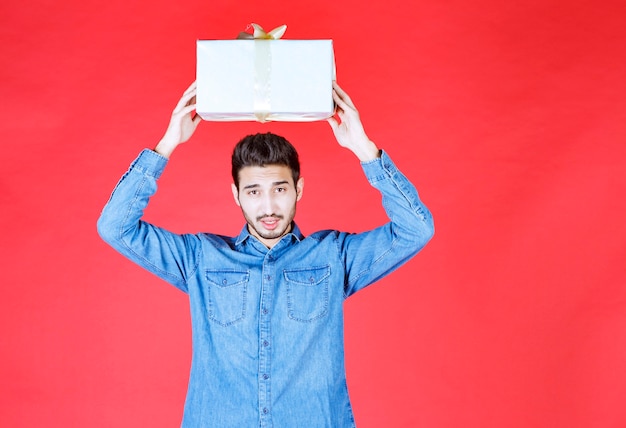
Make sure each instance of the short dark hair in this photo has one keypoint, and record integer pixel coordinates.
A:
(264, 149)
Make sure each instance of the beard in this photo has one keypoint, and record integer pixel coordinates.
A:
(256, 228)
(270, 234)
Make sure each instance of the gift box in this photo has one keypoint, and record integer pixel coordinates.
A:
(265, 80)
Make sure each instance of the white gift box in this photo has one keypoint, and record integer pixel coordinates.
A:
(265, 80)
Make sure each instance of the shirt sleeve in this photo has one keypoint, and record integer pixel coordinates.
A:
(170, 256)
(371, 255)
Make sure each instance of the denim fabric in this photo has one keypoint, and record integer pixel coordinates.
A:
(267, 324)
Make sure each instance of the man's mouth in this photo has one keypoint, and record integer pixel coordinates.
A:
(269, 223)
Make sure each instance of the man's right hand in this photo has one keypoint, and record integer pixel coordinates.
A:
(182, 125)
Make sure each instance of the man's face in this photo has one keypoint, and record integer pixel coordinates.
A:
(267, 197)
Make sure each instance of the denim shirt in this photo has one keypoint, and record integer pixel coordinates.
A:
(267, 324)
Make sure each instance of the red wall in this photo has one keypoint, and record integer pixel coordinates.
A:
(508, 116)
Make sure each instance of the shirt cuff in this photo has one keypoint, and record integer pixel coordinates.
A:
(380, 168)
(150, 163)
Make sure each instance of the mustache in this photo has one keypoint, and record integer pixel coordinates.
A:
(276, 216)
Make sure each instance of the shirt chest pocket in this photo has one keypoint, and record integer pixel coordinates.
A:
(226, 299)
(307, 293)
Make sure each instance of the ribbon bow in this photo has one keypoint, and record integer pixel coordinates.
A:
(259, 33)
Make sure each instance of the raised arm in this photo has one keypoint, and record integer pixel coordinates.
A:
(168, 255)
(371, 255)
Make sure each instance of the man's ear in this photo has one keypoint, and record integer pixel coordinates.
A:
(235, 193)
(299, 188)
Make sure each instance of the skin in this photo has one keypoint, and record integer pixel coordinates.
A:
(267, 195)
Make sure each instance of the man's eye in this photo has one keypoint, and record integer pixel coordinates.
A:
(253, 192)
(281, 189)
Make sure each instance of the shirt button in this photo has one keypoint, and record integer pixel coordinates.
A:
(268, 277)
(265, 411)
(266, 376)
(265, 311)
(265, 343)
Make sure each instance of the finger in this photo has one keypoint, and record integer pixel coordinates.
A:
(186, 110)
(179, 115)
(342, 105)
(333, 123)
(189, 93)
(191, 87)
(337, 88)
(184, 101)
(339, 101)
(343, 95)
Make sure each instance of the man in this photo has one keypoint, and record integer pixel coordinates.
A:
(266, 306)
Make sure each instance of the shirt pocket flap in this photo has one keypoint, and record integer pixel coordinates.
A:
(308, 276)
(224, 278)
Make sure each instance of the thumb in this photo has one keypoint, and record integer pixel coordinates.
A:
(334, 124)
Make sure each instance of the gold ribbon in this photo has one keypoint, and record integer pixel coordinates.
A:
(263, 67)
(260, 34)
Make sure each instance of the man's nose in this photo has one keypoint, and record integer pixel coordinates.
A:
(268, 203)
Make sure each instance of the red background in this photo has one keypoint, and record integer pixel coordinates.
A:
(508, 116)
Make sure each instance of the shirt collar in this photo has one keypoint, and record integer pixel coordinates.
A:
(295, 235)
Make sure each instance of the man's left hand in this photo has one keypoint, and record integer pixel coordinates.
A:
(348, 129)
